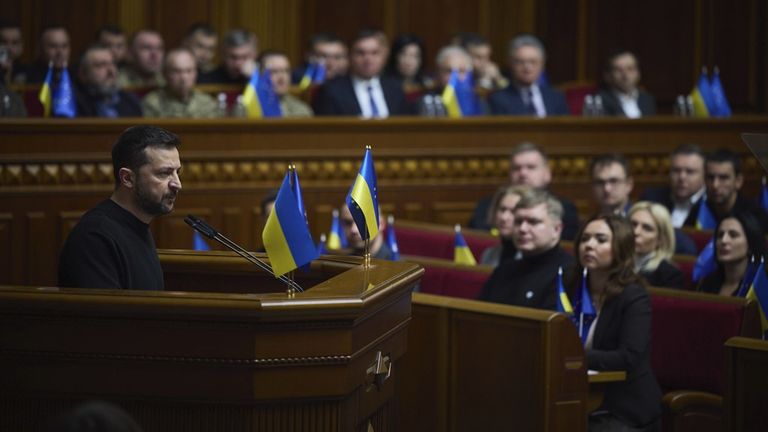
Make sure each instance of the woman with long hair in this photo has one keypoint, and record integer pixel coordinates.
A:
(655, 245)
(502, 219)
(618, 338)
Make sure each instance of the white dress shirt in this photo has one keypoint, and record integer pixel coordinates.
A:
(681, 209)
(629, 104)
(364, 98)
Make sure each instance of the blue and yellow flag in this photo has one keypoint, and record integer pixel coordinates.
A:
(286, 236)
(563, 303)
(296, 188)
(702, 96)
(705, 220)
(336, 238)
(392, 238)
(306, 79)
(251, 100)
(461, 252)
(362, 199)
(321, 249)
(705, 262)
(469, 102)
(63, 97)
(719, 102)
(764, 196)
(199, 243)
(749, 276)
(759, 292)
(45, 91)
(270, 102)
(587, 313)
(450, 98)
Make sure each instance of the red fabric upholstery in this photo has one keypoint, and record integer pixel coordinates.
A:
(685, 264)
(452, 281)
(574, 95)
(687, 338)
(700, 237)
(30, 96)
(438, 243)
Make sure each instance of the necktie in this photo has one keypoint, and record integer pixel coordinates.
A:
(374, 108)
(529, 103)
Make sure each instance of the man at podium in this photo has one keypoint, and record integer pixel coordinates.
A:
(111, 246)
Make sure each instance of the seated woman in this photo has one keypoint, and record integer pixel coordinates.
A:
(738, 238)
(502, 218)
(619, 336)
(655, 245)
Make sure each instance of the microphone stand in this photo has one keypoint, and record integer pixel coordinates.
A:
(203, 228)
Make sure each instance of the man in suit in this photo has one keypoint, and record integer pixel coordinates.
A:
(54, 49)
(239, 52)
(611, 183)
(524, 96)
(364, 92)
(98, 94)
(328, 49)
(686, 183)
(621, 96)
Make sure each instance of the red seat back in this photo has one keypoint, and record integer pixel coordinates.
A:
(452, 281)
(575, 92)
(685, 264)
(437, 241)
(699, 237)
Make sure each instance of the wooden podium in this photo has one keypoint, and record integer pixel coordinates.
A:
(224, 348)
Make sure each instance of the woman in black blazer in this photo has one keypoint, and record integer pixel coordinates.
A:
(655, 245)
(620, 336)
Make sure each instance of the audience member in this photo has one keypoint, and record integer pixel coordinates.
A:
(364, 92)
(738, 238)
(529, 167)
(98, 94)
(179, 98)
(55, 50)
(611, 183)
(279, 67)
(486, 73)
(524, 96)
(723, 178)
(655, 245)
(406, 63)
(621, 95)
(113, 37)
(327, 49)
(618, 338)
(686, 183)
(111, 246)
(448, 59)
(239, 52)
(145, 56)
(531, 280)
(11, 49)
(377, 246)
(201, 39)
(502, 218)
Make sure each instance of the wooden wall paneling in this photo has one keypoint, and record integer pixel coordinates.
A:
(558, 29)
(171, 232)
(235, 226)
(172, 21)
(40, 230)
(7, 252)
(731, 23)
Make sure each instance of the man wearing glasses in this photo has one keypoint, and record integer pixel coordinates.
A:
(611, 183)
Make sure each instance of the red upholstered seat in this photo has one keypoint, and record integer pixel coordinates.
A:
(437, 241)
(575, 92)
(453, 281)
(687, 342)
(700, 237)
(685, 264)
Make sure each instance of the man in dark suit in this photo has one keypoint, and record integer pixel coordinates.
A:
(98, 94)
(524, 96)
(621, 96)
(364, 92)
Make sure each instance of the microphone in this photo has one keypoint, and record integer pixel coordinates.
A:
(203, 228)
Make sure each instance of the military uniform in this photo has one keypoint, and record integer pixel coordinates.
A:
(161, 103)
(291, 106)
(127, 77)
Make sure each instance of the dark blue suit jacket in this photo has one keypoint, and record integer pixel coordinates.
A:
(337, 97)
(508, 101)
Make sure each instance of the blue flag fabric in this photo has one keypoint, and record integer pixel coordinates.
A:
(270, 103)
(336, 238)
(199, 243)
(362, 199)
(705, 262)
(719, 102)
(392, 238)
(759, 292)
(543, 80)
(764, 196)
(705, 220)
(296, 188)
(587, 313)
(63, 99)
(563, 303)
(286, 235)
(467, 98)
(705, 90)
(462, 254)
(318, 77)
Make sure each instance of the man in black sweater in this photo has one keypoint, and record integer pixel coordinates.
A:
(111, 246)
(530, 279)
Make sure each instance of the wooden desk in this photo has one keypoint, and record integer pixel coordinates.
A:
(747, 386)
(597, 382)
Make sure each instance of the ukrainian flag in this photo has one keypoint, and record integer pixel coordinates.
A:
(198, 243)
(286, 236)
(362, 199)
(270, 103)
(587, 313)
(702, 96)
(719, 101)
(306, 79)
(45, 91)
(392, 238)
(336, 238)
(764, 195)
(63, 99)
(563, 304)
(705, 262)
(461, 252)
(759, 292)
(450, 98)
(251, 100)
(705, 220)
(296, 188)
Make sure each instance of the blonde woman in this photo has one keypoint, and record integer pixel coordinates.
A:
(502, 218)
(655, 245)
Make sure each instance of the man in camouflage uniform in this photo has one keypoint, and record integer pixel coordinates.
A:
(279, 68)
(145, 60)
(179, 97)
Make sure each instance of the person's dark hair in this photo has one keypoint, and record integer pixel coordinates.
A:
(398, 45)
(270, 53)
(322, 37)
(96, 416)
(725, 155)
(622, 271)
(618, 52)
(50, 27)
(688, 149)
(109, 29)
(752, 230)
(128, 150)
(608, 159)
(239, 37)
(370, 33)
(527, 146)
(200, 27)
(9, 24)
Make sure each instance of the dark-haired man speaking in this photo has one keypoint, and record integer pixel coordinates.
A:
(111, 246)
